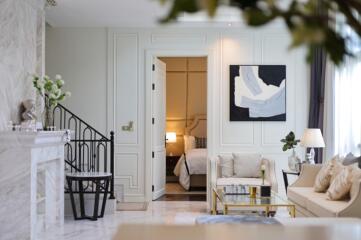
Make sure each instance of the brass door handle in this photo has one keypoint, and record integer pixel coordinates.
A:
(129, 127)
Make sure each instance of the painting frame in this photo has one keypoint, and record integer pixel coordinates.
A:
(258, 92)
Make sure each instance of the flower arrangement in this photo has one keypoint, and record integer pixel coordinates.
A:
(290, 142)
(51, 92)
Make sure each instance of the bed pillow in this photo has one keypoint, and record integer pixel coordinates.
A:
(323, 178)
(226, 164)
(189, 142)
(341, 185)
(247, 165)
(201, 142)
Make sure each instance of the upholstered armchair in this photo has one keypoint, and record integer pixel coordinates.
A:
(220, 180)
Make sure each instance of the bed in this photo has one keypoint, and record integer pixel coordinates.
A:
(191, 167)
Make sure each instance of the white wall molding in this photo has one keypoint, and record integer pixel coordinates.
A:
(164, 38)
(223, 46)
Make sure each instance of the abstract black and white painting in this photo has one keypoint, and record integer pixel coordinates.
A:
(257, 92)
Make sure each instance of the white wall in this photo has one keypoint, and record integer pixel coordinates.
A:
(80, 56)
(21, 54)
(128, 62)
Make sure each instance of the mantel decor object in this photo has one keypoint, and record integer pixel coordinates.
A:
(51, 93)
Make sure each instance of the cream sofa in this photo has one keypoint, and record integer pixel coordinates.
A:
(270, 176)
(312, 204)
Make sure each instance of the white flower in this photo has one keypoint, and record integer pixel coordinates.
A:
(54, 88)
(57, 93)
(263, 167)
(40, 83)
(52, 96)
(60, 83)
(58, 77)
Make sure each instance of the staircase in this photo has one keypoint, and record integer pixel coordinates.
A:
(88, 150)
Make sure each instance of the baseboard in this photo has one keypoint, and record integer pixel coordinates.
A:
(134, 198)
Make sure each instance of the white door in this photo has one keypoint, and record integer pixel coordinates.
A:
(158, 131)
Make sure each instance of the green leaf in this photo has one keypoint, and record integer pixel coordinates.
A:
(257, 17)
(179, 6)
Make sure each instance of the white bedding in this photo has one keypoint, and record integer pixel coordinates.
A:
(197, 164)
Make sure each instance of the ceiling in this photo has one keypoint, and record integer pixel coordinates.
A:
(130, 13)
(105, 13)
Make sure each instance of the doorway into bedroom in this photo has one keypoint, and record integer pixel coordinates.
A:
(185, 128)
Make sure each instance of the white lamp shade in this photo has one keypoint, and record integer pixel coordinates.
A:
(312, 138)
(171, 137)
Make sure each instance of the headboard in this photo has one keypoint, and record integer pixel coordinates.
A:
(198, 127)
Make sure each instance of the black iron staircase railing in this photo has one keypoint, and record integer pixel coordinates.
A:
(88, 150)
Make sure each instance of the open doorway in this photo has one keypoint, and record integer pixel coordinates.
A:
(180, 172)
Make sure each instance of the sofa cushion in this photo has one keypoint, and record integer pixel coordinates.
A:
(247, 165)
(226, 164)
(316, 203)
(299, 195)
(319, 205)
(240, 181)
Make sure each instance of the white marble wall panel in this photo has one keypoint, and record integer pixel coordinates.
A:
(21, 54)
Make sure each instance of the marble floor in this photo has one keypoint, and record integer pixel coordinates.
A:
(158, 212)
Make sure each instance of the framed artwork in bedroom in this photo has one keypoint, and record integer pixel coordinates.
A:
(257, 92)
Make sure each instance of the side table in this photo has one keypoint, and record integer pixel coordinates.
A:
(96, 178)
(285, 173)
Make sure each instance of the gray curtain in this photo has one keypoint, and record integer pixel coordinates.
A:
(317, 93)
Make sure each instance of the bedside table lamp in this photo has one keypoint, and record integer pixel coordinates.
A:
(170, 137)
(312, 138)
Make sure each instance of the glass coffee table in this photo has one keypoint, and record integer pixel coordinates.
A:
(267, 203)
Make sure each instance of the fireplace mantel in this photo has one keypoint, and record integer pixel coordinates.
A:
(31, 182)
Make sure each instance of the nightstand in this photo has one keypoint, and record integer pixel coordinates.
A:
(171, 162)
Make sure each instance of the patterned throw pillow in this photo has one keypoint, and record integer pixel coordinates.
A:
(336, 169)
(323, 178)
(341, 185)
(356, 178)
(201, 142)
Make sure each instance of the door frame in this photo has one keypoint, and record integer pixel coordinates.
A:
(211, 98)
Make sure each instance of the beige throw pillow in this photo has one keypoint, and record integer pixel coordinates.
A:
(336, 169)
(226, 163)
(341, 185)
(356, 178)
(247, 165)
(323, 178)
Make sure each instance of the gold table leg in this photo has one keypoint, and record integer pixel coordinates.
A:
(214, 203)
(293, 211)
(267, 211)
(225, 210)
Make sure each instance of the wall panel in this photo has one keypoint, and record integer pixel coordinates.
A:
(126, 86)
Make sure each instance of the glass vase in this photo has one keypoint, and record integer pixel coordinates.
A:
(48, 116)
(293, 161)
